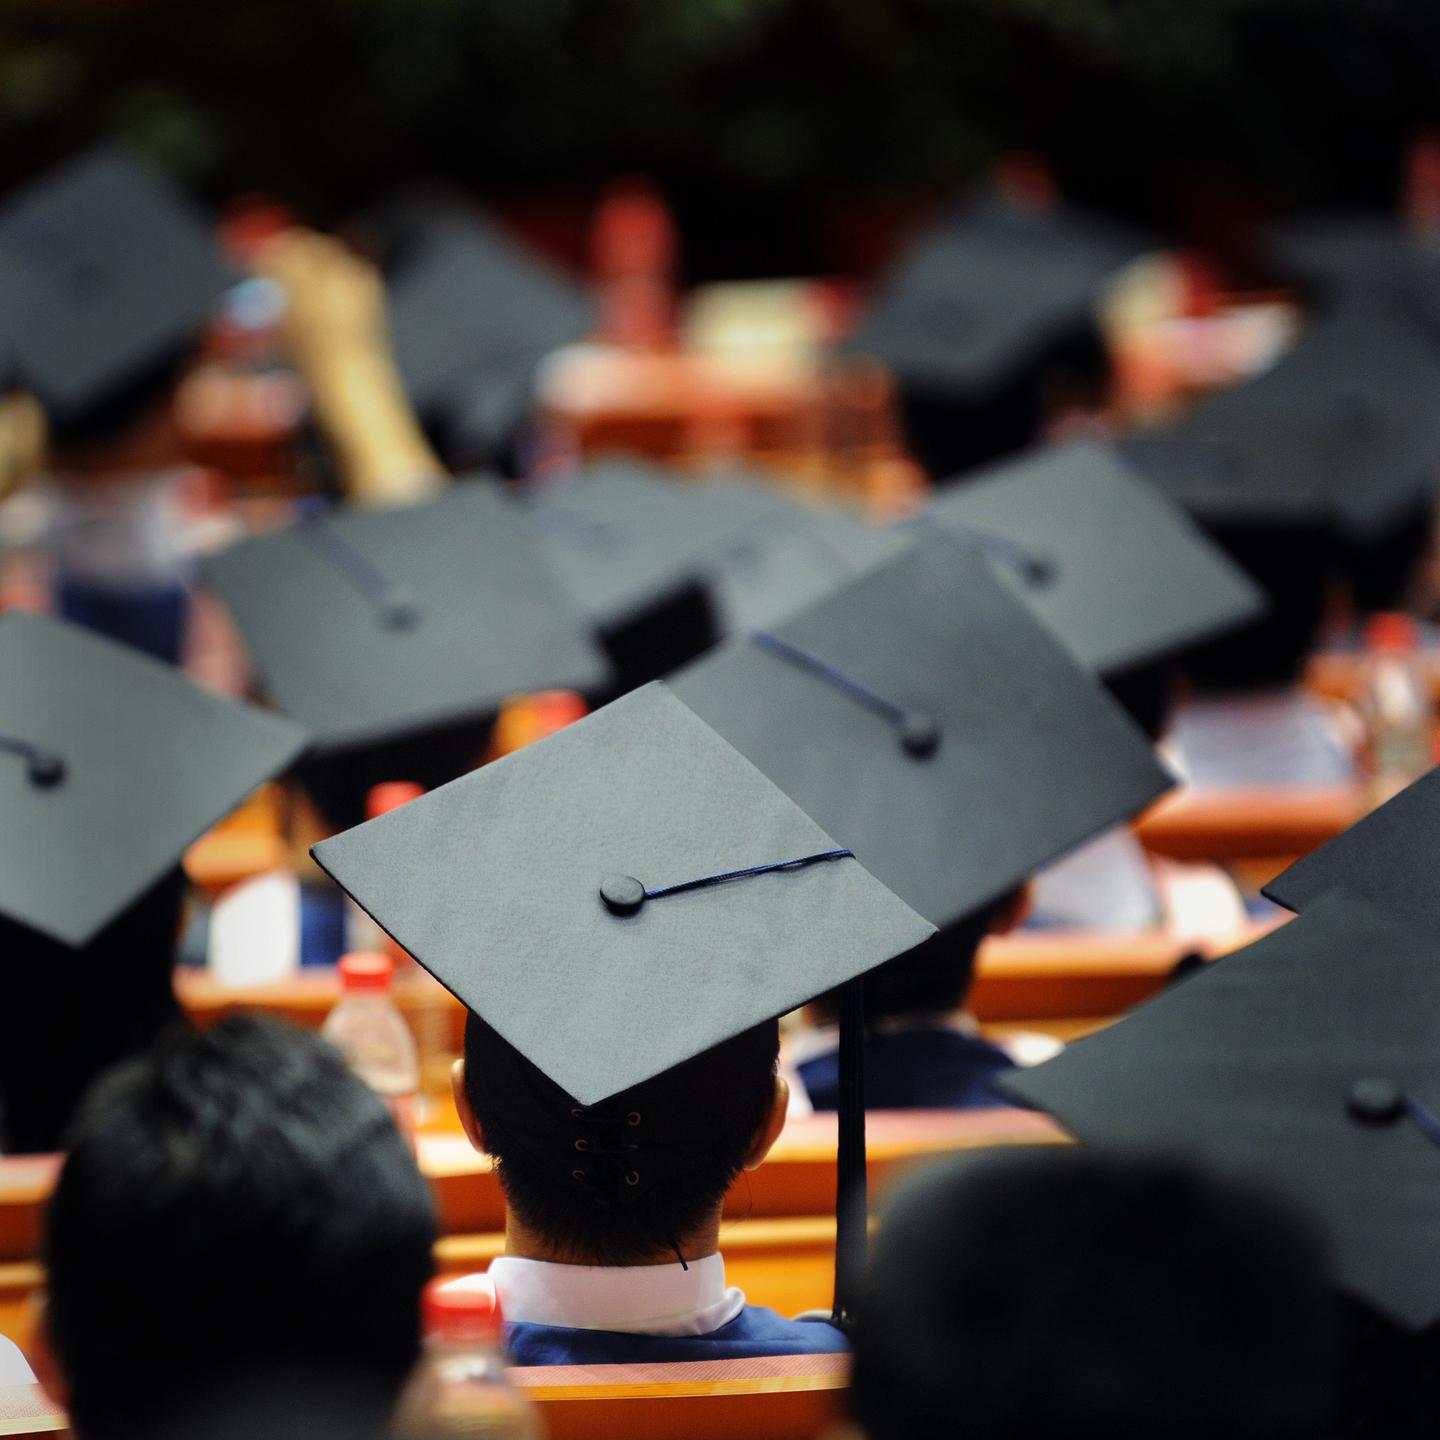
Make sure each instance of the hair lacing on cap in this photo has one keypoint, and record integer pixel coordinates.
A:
(613, 1173)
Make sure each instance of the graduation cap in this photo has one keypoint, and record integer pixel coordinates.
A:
(1359, 254)
(979, 311)
(665, 564)
(1309, 1061)
(618, 899)
(1115, 570)
(921, 714)
(111, 765)
(1341, 432)
(107, 276)
(374, 625)
(1387, 858)
(471, 317)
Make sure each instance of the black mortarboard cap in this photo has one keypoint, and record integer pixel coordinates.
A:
(1388, 858)
(494, 884)
(111, 765)
(667, 563)
(978, 311)
(107, 275)
(372, 625)
(1309, 1062)
(1342, 431)
(923, 715)
(788, 555)
(471, 316)
(1116, 571)
(983, 293)
(1359, 254)
(645, 553)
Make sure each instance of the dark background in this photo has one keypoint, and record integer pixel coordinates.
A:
(790, 135)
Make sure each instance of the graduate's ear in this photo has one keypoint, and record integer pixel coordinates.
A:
(774, 1123)
(468, 1121)
(43, 1360)
(1015, 911)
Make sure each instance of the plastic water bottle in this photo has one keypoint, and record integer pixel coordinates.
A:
(459, 1386)
(1396, 708)
(372, 1035)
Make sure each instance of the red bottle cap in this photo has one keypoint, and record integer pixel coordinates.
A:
(390, 795)
(462, 1309)
(365, 971)
(1392, 633)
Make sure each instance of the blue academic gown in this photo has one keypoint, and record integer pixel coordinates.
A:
(922, 1067)
(755, 1331)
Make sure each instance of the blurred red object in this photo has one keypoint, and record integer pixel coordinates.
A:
(633, 250)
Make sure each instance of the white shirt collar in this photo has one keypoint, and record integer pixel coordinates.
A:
(631, 1299)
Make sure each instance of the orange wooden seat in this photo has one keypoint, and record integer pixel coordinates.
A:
(797, 1180)
(779, 1397)
(1272, 823)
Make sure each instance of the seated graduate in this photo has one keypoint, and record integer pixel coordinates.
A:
(1128, 584)
(110, 765)
(110, 278)
(1338, 1113)
(621, 1046)
(237, 1219)
(923, 1049)
(1052, 1292)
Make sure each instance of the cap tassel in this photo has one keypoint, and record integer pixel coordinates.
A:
(44, 768)
(919, 734)
(396, 607)
(851, 1194)
(624, 894)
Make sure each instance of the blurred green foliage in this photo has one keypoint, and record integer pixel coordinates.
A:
(324, 102)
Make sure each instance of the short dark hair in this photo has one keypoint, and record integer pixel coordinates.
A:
(627, 1181)
(71, 1013)
(933, 977)
(235, 1206)
(1061, 1292)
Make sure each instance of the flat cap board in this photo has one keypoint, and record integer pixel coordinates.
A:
(492, 883)
(1252, 1067)
(1126, 576)
(625, 536)
(489, 618)
(148, 762)
(468, 301)
(1342, 431)
(982, 295)
(789, 557)
(1033, 757)
(105, 271)
(1389, 858)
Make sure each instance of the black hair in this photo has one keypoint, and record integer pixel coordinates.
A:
(71, 1013)
(933, 978)
(339, 784)
(1295, 566)
(236, 1208)
(684, 1136)
(1056, 1292)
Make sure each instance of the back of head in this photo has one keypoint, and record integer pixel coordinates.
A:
(234, 1206)
(1058, 1292)
(627, 1181)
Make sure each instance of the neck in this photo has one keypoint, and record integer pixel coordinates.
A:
(524, 1244)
